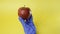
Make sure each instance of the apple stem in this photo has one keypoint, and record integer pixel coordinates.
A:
(24, 5)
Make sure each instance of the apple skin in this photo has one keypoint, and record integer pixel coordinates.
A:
(24, 12)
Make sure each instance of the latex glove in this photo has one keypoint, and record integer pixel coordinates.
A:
(28, 25)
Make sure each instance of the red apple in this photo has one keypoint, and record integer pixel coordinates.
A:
(24, 12)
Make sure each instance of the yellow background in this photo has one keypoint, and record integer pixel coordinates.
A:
(46, 15)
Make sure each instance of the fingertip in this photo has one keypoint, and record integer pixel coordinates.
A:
(20, 18)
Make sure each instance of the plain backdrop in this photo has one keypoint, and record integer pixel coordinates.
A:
(46, 16)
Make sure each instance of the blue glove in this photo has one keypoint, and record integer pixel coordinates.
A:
(28, 25)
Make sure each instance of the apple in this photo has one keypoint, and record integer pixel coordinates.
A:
(24, 12)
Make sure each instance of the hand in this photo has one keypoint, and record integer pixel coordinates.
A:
(28, 25)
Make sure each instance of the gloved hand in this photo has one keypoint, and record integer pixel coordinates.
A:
(28, 25)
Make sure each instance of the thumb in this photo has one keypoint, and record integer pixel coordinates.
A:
(30, 19)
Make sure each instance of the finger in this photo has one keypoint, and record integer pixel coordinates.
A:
(21, 20)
